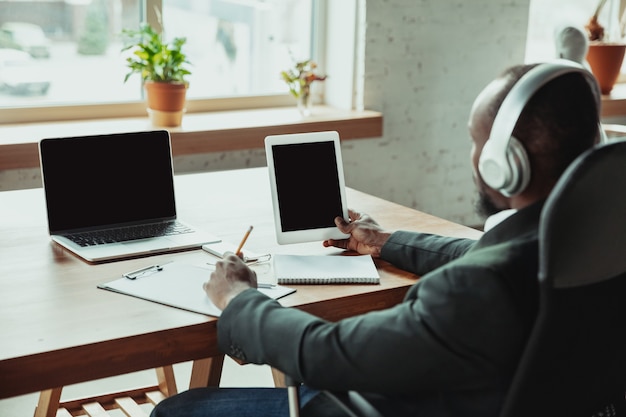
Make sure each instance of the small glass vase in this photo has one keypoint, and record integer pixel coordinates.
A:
(304, 104)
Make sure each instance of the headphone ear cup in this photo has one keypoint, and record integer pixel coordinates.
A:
(509, 175)
(492, 169)
(519, 168)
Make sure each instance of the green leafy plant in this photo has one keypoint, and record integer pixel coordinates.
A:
(153, 58)
(300, 77)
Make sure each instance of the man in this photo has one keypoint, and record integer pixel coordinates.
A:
(452, 346)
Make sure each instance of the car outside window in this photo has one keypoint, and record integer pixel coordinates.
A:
(236, 48)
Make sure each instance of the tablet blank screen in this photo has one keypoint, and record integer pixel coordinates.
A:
(307, 184)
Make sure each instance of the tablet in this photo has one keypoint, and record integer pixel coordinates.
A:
(307, 183)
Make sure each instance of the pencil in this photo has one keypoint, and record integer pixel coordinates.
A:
(243, 241)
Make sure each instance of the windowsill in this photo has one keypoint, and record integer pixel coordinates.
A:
(614, 104)
(200, 132)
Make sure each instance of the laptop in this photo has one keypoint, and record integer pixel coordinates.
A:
(111, 197)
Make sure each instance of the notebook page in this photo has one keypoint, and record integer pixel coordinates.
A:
(321, 269)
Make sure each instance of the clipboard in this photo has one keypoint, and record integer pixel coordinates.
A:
(179, 285)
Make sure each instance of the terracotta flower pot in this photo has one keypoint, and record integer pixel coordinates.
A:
(166, 102)
(605, 60)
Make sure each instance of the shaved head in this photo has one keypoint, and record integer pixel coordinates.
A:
(559, 122)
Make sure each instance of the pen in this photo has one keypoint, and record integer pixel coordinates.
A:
(264, 285)
(134, 274)
(245, 237)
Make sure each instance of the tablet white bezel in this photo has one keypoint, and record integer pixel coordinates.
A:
(307, 235)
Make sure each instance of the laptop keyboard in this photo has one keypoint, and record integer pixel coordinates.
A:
(124, 234)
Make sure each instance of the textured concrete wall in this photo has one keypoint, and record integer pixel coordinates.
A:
(426, 60)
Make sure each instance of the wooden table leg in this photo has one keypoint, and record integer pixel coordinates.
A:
(49, 401)
(279, 378)
(167, 381)
(206, 372)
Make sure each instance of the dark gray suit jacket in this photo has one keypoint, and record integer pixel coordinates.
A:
(449, 349)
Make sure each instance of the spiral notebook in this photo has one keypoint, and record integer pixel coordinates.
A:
(321, 269)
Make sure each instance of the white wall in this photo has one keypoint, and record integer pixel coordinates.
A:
(425, 61)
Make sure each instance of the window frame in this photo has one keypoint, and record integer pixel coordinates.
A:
(137, 108)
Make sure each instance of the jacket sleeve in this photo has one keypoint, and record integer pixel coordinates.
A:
(420, 344)
(421, 253)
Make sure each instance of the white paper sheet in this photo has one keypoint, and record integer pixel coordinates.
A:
(322, 269)
(179, 285)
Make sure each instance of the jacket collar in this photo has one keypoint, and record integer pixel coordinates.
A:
(522, 222)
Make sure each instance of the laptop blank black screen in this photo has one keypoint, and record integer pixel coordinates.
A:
(94, 181)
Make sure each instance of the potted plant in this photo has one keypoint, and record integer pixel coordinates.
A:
(162, 67)
(299, 79)
(606, 50)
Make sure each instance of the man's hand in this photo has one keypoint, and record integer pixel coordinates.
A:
(231, 277)
(366, 236)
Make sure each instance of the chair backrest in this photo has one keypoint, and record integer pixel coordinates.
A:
(575, 361)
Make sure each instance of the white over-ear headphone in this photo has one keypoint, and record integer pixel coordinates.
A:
(503, 163)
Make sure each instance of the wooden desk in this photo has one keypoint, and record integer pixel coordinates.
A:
(57, 328)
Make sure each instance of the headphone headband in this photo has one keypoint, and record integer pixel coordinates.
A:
(503, 163)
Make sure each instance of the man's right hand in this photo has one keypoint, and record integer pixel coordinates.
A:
(230, 278)
(366, 236)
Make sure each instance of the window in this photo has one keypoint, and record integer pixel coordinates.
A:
(68, 52)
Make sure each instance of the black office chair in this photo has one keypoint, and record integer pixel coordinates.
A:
(575, 361)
